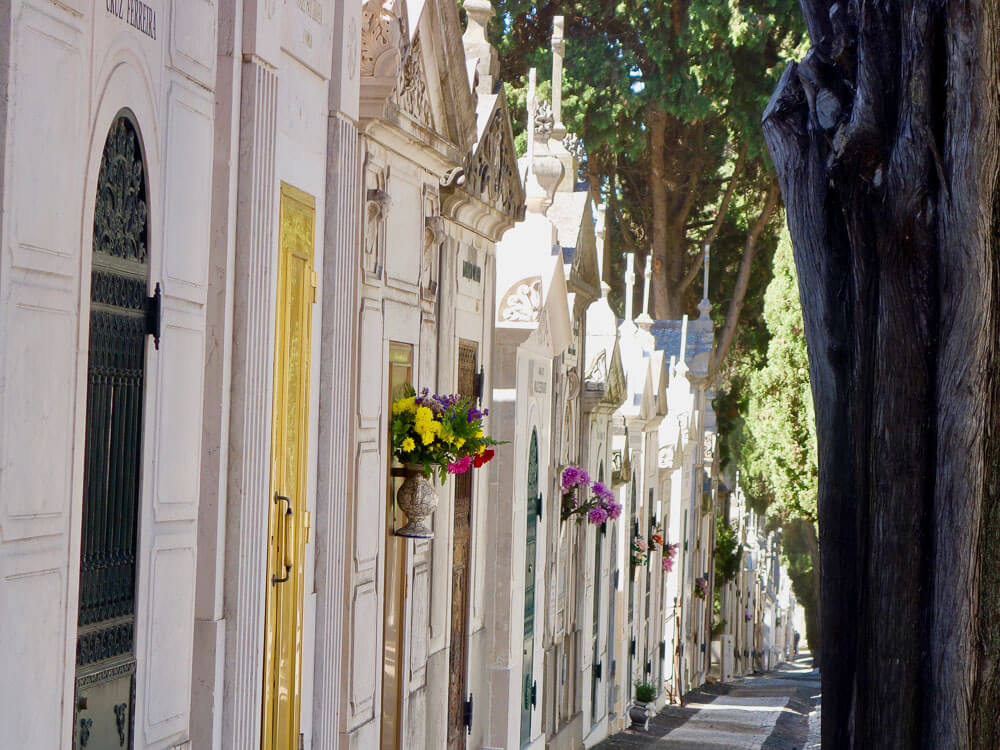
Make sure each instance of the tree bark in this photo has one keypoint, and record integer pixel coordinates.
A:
(885, 138)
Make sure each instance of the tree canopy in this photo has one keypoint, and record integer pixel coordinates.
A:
(778, 463)
(666, 97)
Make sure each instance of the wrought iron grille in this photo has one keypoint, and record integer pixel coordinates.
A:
(115, 381)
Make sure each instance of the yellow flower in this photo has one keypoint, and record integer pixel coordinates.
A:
(479, 433)
(482, 449)
(460, 442)
(404, 404)
(408, 445)
(424, 415)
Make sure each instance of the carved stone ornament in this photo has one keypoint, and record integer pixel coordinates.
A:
(572, 383)
(377, 205)
(575, 146)
(434, 235)
(523, 302)
(491, 172)
(543, 121)
(411, 92)
(381, 39)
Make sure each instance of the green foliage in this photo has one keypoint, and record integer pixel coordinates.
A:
(707, 68)
(778, 458)
(645, 692)
(728, 552)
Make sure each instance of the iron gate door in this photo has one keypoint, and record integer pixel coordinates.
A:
(119, 323)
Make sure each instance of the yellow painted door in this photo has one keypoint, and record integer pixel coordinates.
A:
(289, 522)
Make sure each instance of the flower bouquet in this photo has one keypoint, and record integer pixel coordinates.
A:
(640, 551)
(701, 587)
(441, 434)
(430, 435)
(669, 553)
(597, 504)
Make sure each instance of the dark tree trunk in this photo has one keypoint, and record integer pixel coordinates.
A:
(885, 139)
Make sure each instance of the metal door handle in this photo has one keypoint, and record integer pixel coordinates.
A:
(283, 535)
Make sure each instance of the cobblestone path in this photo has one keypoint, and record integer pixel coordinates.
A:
(769, 711)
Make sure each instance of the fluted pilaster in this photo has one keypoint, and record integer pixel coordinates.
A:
(250, 422)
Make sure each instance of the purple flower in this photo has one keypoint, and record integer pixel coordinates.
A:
(473, 415)
(613, 509)
(603, 493)
(574, 477)
(597, 516)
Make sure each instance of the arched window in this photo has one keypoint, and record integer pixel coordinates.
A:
(116, 368)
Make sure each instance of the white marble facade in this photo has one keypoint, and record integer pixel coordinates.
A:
(391, 119)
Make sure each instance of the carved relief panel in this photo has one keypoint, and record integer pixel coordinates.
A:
(377, 205)
(411, 92)
(434, 235)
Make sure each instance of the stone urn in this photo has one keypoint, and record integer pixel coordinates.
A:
(417, 498)
(640, 713)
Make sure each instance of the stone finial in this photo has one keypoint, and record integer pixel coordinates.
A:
(705, 307)
(536, 198)
(600, 232)
(644, 321)
(477, 45)
(558, 52)
(629, 284)
(682, 368)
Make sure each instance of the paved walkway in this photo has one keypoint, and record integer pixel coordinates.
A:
(770, 711)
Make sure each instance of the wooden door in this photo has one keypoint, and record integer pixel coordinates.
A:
(461, 543)
(529, 697)
(289, 522)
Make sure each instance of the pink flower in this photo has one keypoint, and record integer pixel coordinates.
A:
(460, 466)
(668, 564)
(597, 516)
(641, 544)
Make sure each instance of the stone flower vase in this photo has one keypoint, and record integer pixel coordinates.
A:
(417, 498)
(640, 713)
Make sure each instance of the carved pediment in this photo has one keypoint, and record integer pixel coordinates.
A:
(584, 273)
(522, 303)
(382, 41)
(411, 93)
(491, 172)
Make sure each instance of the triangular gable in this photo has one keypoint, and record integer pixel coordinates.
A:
(411, 94)
(617, 390)
(491, 172)
(584, 274)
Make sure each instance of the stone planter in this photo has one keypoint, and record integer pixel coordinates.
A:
(640, 714)
(417, 498)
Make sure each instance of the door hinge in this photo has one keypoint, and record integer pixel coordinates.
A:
(538, 506)
(154, 308)
(663, 649)
(302, 741)
(597, 671)
(467, 714)
(477, 389)
(534, 693)
(314, 279)
(631, 647)
(306, 526)
(617, 572)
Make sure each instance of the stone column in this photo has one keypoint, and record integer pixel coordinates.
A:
(250, 423)
(336, 399)
(558, 52)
